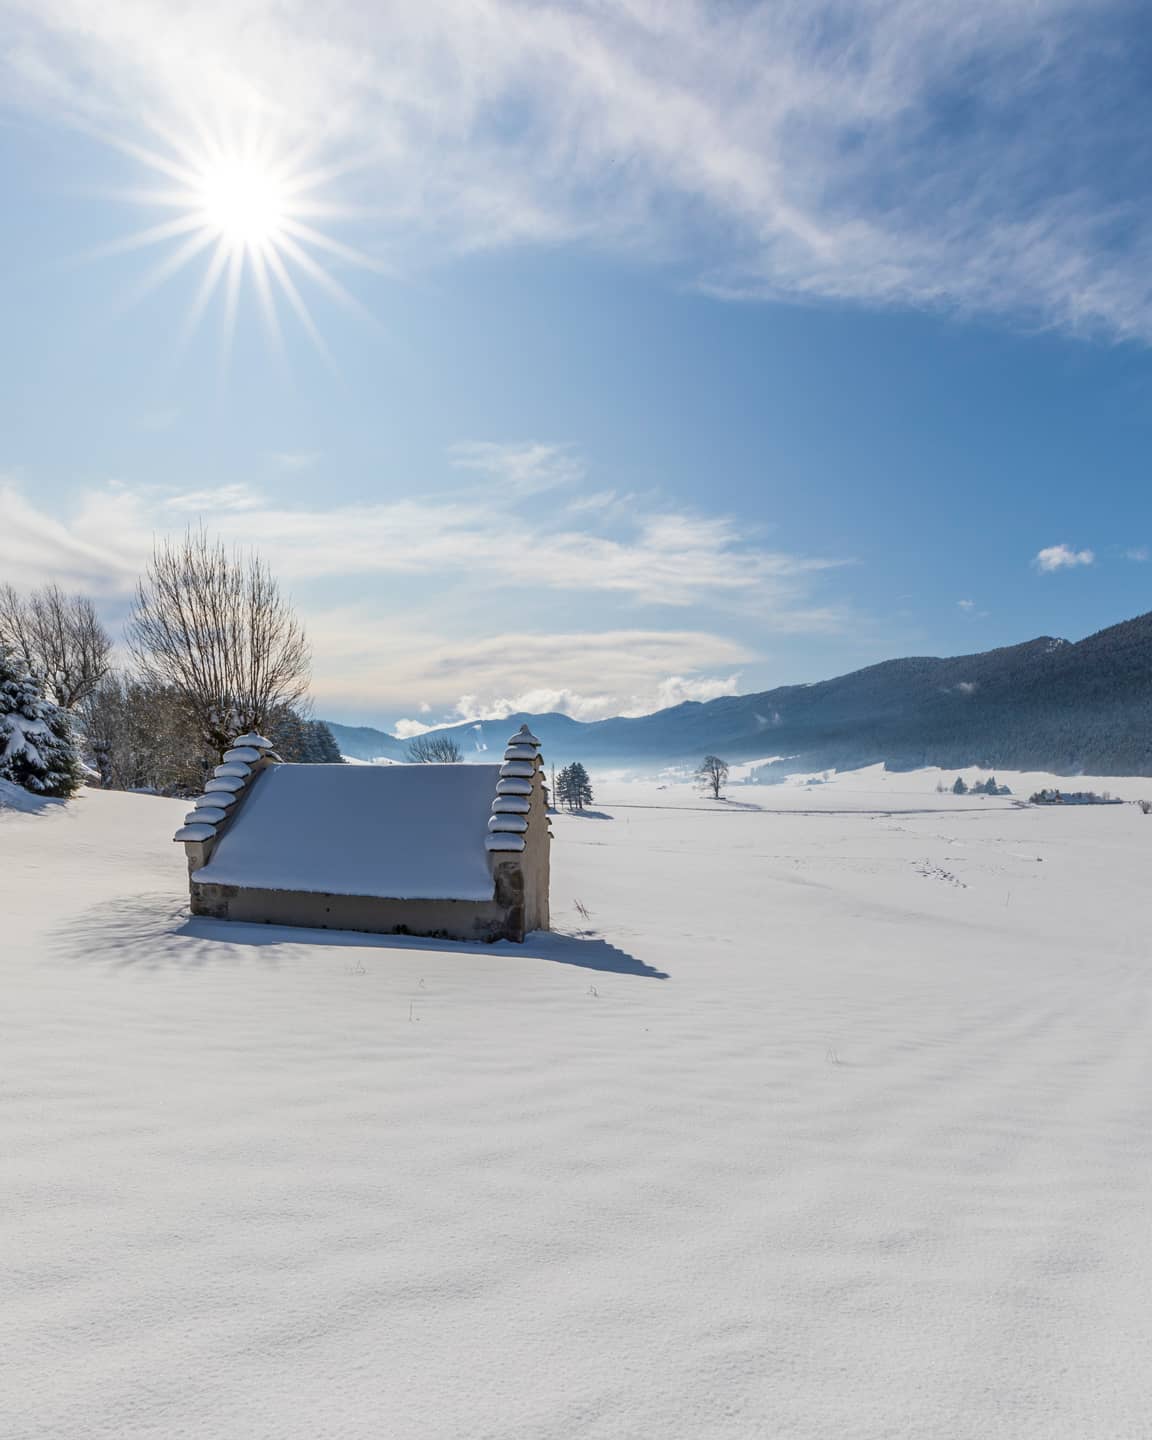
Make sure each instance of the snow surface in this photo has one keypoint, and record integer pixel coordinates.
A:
(828, 1126)
(411, 831)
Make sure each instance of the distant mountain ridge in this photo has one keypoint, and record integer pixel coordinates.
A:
(1048, 704)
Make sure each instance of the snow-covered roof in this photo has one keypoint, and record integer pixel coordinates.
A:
(414, 832)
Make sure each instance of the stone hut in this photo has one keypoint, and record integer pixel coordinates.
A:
(459, 852)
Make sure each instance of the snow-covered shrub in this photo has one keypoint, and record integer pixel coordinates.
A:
(37, 746)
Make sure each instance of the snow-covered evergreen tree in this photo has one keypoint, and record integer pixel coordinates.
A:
(37, 746)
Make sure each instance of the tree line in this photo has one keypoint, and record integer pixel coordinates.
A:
(212, 649)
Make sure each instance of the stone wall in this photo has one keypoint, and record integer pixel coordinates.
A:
(482, 920)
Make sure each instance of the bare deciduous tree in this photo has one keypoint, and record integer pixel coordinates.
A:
(434, 750)
(713, 774)
(60, 637)
(142, 736)
(213, 625)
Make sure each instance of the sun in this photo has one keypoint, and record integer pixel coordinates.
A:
(244, 202)
(249, 211)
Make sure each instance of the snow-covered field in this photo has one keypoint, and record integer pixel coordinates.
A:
(830, 1119)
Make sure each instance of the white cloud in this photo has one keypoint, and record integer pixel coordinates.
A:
(664, 558)
(966, 605)
(470, 644)
(97, 549)
(523, 469)
(1139, 553)
(891, 151)
(589, 676)
(1062, 557)
(409, 729)
(673, 690)
(210, 502)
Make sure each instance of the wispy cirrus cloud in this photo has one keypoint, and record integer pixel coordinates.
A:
(487, 560)
(214, 500)
(87, 551)
(660, 556)
(890, 152)
(1062, 557)
(524, 468)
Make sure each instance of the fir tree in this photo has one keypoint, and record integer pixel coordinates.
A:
(320, 744)
(299, 741)
(573, 787)
(37, 747)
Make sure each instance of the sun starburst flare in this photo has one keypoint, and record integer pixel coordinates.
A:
(247, 212)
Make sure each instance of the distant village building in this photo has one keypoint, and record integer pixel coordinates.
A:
(455, 851)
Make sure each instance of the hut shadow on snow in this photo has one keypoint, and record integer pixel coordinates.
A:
(157, 932)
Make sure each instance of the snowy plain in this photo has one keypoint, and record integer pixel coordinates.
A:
(825, 1114)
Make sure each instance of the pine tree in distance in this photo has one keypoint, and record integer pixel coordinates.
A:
(37, 748)
(320, 744)
(573, 787)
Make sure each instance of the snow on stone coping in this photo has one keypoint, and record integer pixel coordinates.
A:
(411, 832)
(501, 821)
(514, 787)
(235, 770)
(520, 752)
(205, 815)
(253, 739)
(511, 805)
(517, 767)
(524, 736)
(230, 784)
(216, 799)
(195, 832)
(249, 754)
(505, 842)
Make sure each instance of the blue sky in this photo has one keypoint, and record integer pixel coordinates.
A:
(668, 349)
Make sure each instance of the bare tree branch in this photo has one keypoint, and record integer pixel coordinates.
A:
(60, 637)
(434, 750)
(712, 774)
(214, 626)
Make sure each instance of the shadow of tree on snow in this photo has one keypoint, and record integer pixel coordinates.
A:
(156, 931)
(15, 800)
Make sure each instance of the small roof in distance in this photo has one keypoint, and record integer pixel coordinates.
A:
(412, 832)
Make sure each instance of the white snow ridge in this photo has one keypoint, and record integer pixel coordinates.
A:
(824, 1113)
